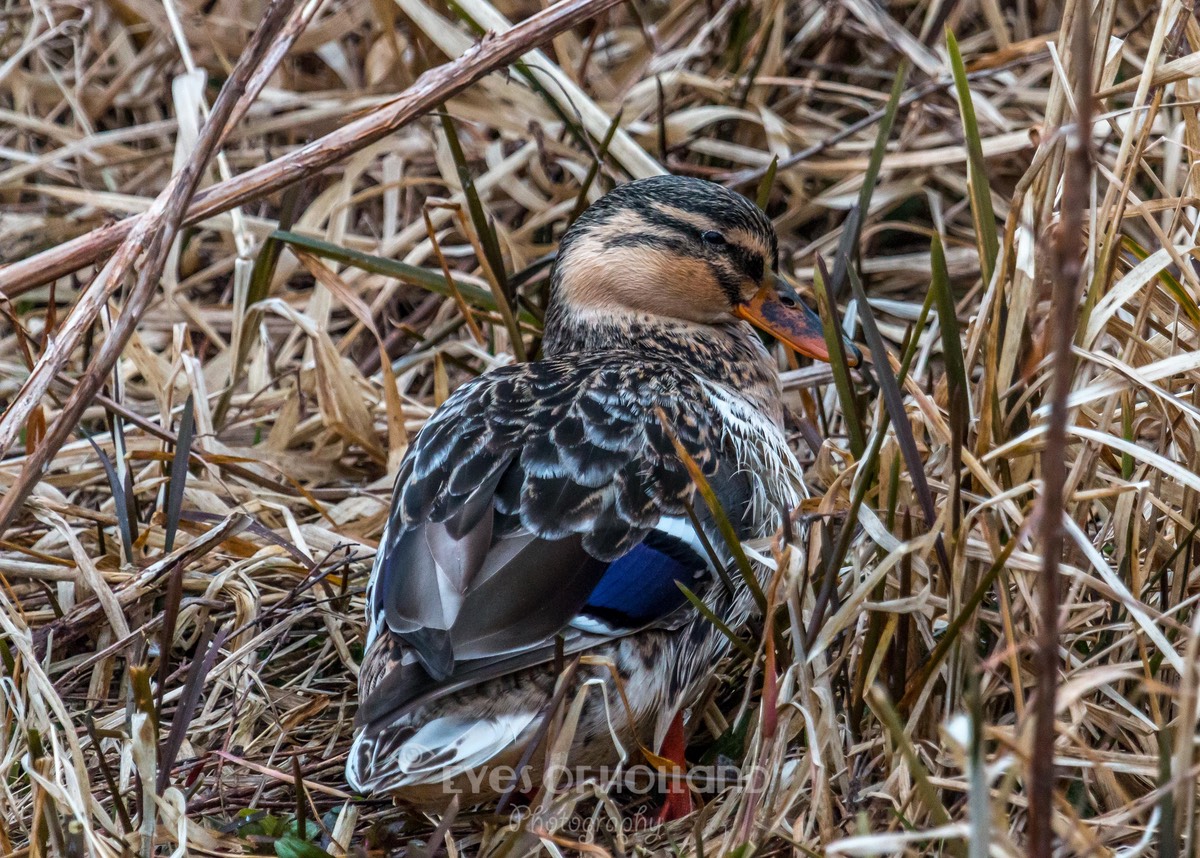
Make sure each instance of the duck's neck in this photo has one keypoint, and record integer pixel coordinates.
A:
(730, 355)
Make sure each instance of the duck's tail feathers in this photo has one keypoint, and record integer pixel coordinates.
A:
(444, 748)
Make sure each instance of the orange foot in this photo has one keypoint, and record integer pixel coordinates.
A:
(678, 802)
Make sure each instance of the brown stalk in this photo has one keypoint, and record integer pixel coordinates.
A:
(291, 31)
(463, 307)
(429, 90)
(1068, 284)
(83, 618)
(163, 222)
(157, 431)
(83, 314)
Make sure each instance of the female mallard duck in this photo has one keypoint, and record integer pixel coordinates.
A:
(544, 508)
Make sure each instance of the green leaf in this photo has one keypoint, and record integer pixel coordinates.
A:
(760, 57)
(311, 832)
(731, 744)
(483, 227)
(924, 788)
(894, 403)
(831, 323)
(981, 192)
(950, 635)
(956, 371)
(581, 202)
(1166, 804)
(763, 196)
(427, 279)
(1168, 280)
(125, 523)
(847, 249)
(523, 69)
(177, 477)
(724, 526)
(910, 348)
(493, 261)
(740, 28)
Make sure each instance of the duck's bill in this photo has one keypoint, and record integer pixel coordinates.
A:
(778, 310)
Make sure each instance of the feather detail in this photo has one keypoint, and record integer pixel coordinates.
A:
(434, 753)
(543, 508)
(762, 454)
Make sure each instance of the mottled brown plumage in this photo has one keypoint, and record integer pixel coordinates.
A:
(546, 501)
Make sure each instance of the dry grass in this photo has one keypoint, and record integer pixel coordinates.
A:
(181, 593)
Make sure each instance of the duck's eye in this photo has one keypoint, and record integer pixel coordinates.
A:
(714, 238)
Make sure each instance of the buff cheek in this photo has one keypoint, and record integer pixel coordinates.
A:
(648, 280)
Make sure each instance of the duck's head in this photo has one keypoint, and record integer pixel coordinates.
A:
(683, 250)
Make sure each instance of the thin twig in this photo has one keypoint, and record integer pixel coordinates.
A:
(745, 177)
(430, 89)
(163, 221)
(100, 290)
(1068, 283)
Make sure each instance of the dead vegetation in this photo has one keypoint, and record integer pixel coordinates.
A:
(203, 406)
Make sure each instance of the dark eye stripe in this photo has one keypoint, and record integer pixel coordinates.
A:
(658, 218)
(660, 242)
(750, 261)
(727, 278)
(683, 234)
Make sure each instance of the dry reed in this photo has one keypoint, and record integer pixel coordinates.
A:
(197, 463)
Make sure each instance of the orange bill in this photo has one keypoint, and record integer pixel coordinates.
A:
(778, 310)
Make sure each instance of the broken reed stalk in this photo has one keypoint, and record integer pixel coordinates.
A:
(1068, 265)
(292, 30)
(429, 90)
(160, 225)
(97, 293)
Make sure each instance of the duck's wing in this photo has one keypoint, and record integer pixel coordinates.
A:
(541, 499)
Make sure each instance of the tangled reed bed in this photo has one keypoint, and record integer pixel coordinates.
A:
(184, 552)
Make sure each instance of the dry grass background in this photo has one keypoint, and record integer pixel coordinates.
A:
(181, 594)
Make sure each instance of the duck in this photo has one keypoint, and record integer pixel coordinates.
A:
(544, 514)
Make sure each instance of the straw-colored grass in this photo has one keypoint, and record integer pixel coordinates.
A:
(181, 586)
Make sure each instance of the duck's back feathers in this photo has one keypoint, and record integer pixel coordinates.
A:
(545, 510)
(517, 513)
(561, 447)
